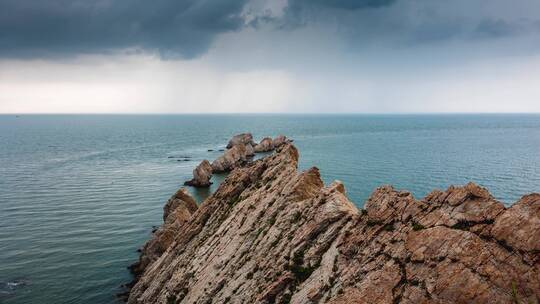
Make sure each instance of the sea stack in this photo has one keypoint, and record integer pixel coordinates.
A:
(272, 234)
(201, 175)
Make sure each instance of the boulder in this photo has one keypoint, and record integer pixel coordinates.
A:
(201, 175)
(280, 140)
(244, 138)
(232, 158)
(250, 150)
(265, 145)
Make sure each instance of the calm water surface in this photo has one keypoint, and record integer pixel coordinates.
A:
(79, 194)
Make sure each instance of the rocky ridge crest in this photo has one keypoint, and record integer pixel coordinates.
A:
(272, 234)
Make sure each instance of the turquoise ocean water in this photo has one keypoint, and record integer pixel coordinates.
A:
(80, 193)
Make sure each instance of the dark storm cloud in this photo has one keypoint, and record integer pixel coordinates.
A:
(303, 12)
(339, 4)
(496, 28)
(186, 28)
(37, 28)
(414, 23)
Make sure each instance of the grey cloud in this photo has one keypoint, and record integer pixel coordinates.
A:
(187, 28)
(304, 12)
(496, 28)
(411, 23)
(36, 28)
(338, 4)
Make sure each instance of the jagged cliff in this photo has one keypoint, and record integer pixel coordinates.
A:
(271, 234)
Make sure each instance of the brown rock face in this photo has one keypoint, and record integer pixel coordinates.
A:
(176, 212)
(244, 138)
(280, 140)
(231, 158)
(250, 150)
(517, 228)
(265, 145)
(201, 175)
(271, 234)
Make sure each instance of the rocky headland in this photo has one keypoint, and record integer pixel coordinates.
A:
(272, 234)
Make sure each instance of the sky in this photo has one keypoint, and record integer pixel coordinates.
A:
(250, 56)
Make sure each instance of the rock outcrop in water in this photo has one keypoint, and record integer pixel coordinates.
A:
(240, 149)
(271, 234)
(201, 175)
(231, 158)
(244, 138)
(268, 144)
(280, 140)
(265, 145)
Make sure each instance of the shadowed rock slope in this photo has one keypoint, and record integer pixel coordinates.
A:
(271, 234)
(176, 212)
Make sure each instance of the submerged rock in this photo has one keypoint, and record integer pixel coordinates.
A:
(201, 175)
(9, 288)
(232, 158)
(180, 156)
(265, 145)
(272, 234)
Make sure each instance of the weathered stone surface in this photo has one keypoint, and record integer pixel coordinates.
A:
(244, 138)
(519, 226)
(176, 212)
(250, 150)
(201, 175)
(271, 234)
(265, 145)
(231, 158)
(280, 140)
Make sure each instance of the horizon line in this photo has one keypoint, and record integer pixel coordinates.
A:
(267, 113)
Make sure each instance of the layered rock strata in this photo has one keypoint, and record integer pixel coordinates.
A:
(272, 234)
(176, 212)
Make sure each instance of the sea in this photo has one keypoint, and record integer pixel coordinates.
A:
(79, 194)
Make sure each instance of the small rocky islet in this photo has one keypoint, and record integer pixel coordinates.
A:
(272, 234)
(240, 150)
